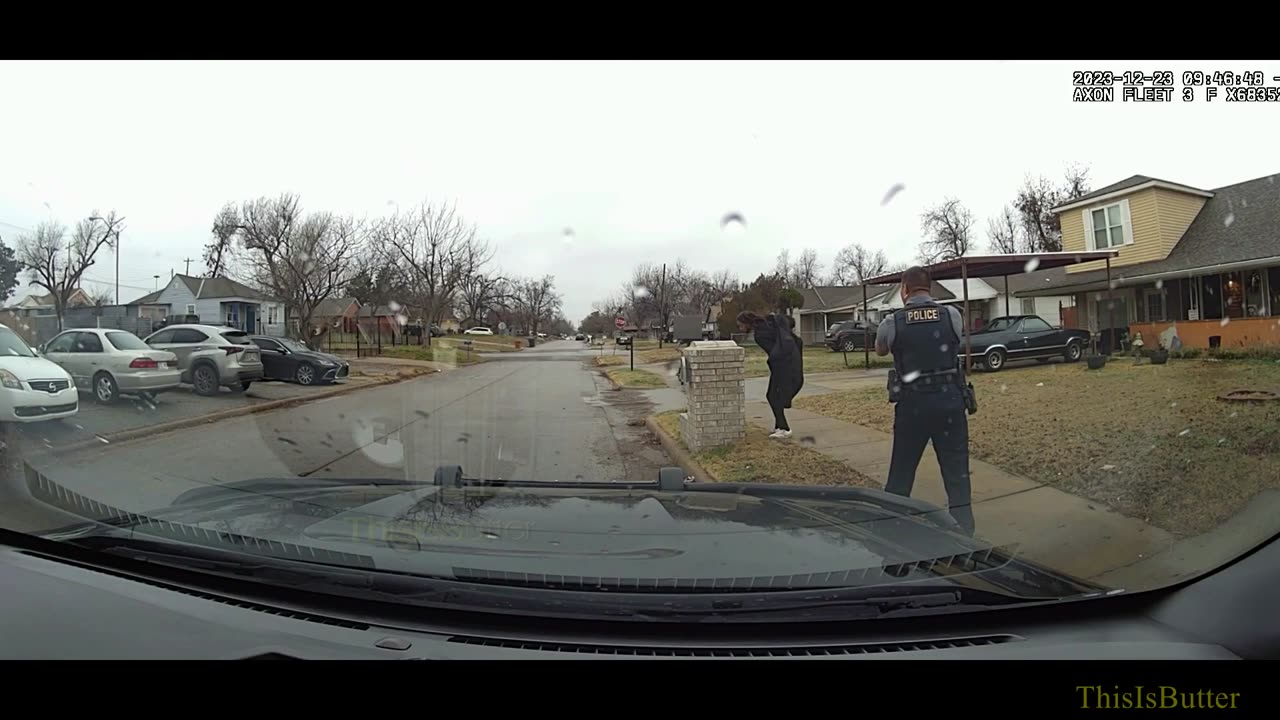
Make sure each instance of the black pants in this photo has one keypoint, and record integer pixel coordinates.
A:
(938, 416)
(779, 419)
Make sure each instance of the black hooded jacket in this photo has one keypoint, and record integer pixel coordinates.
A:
(786, 358)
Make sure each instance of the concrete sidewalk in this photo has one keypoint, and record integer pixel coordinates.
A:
(1055, 528)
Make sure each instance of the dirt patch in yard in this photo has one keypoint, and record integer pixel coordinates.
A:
(1151, 441)
(758, 458)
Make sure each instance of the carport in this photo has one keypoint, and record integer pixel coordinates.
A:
(991, 266)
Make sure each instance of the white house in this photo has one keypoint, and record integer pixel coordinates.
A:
(216, 301)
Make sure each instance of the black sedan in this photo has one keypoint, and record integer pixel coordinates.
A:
(1025, 337)
(850, 335)
(285, 359)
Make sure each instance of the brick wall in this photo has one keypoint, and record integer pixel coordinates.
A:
(716, 395)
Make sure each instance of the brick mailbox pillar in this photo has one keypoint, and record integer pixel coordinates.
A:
(716, 392)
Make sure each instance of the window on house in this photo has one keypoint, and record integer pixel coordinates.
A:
(1028, 306)
(1108, 227)
(1255, 304)
(191, 309)
(271, 315)
(1211, 297)
(1273, 290)
(1154, 301)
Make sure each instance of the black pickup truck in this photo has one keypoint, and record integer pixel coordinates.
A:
(1025, 337)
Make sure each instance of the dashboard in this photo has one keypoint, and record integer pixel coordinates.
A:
(59, 607)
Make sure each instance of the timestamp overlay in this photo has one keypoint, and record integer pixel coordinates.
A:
(1168, 86)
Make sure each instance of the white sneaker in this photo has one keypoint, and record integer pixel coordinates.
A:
(780, 434)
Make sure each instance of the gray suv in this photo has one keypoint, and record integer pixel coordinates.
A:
(210, 356)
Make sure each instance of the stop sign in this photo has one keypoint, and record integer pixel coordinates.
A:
(620, 322)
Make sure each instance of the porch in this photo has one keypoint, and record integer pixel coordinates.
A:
(241, 315)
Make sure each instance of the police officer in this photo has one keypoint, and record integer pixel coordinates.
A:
(929, 388)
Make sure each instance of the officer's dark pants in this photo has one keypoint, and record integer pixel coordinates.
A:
(937, 415)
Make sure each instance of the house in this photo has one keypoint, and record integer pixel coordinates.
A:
(341, 313)
(217, 301)
(993, 297)
(828, 305)
(38, 304)
(1196, 268)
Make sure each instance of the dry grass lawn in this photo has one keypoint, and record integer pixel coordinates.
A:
(759, 459)
(816, 360)
(437, 352)
(666, 354)
(608, 360)
(1151, 441)
(635, 378)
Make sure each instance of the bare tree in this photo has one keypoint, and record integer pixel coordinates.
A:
(481, 288)
(1005, 232)
(1035, 202)
(854, 264)
(301, 259)
(665, 290)
(804, 272)
(431, 244)
(947, 230)
(220, 249)
(56, 264)
(703, 292)
(537, 301)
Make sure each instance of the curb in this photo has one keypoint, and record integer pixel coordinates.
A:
(677, 453)
(184, 423)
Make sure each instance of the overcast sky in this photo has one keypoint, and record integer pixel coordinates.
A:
(640, 159)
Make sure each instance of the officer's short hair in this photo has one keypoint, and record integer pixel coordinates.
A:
(916, 278)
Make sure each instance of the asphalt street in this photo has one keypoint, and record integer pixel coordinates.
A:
(541, 414)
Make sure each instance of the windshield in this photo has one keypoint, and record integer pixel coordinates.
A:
(11, 344)
(126, 341)
(779, 271)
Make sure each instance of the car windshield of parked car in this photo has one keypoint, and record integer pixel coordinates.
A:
(12, 345)
(846, 326)
(126, 341)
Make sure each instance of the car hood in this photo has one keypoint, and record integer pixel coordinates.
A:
(33, 368)
(626, 536)
(313, 355)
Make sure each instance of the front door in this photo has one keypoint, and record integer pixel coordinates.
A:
(250, 319)
(1113, 324)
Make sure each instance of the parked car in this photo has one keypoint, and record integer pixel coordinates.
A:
(32, 389)
(286, 359)
(478, 331)
(1023, 337)
(110, 363)
(851, 335)
(579, 336)
(210, 356)
(624, 339)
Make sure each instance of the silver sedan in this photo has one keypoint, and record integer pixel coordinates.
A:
(110, 362)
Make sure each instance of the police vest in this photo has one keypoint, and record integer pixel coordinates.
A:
(924, 342)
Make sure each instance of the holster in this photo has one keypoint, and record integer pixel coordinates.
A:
(894, 386)
(970, 398)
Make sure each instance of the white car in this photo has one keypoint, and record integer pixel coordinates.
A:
(32, 389)
(478, 331)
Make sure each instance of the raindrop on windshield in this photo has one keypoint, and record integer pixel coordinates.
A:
(944, 347)
(1185, 433)
(1004, 388)
(1244, 202)
(1173, 404)
(402, 318)
(395, 306)
(893, 192)
(567, 236)
(733, 224)
(490, 534)
(1225, 321)
(1159, 284)
(1230, 218)
(642, 291)
(1113, 284)
(1031, 265)
(911, 376)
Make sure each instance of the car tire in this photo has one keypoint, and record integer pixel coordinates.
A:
(305, 374)
(993, 360)
(105, 389)
(204, 378)
(848, 345)
(1073, 353)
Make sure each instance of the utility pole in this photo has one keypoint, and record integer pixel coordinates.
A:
(662, 305)
(188, 262)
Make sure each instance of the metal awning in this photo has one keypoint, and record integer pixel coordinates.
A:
(980, 266)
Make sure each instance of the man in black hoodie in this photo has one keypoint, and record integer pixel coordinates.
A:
(785, 351)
